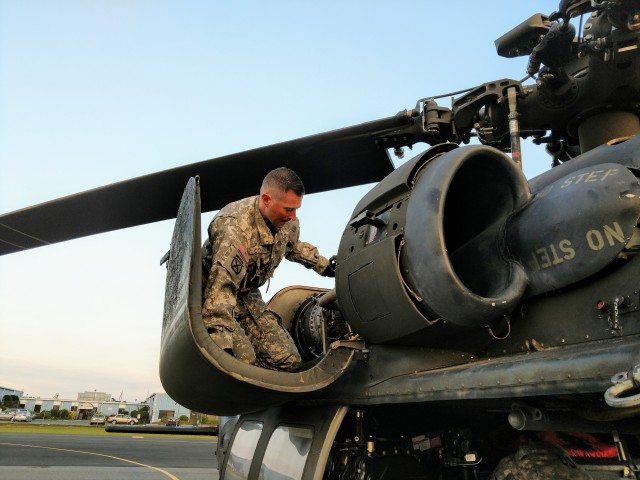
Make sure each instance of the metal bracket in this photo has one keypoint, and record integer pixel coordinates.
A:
(612, 310)
(165, 257)
(352, 344)
(366, 218)
(623, 393)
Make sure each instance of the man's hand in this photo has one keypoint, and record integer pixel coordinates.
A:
(330, 271)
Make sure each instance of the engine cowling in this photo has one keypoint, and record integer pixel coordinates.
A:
(453, 240)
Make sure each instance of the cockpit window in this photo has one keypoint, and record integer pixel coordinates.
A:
(242, 450)
(286, 453)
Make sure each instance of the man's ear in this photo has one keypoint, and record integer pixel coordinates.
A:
(266, 199)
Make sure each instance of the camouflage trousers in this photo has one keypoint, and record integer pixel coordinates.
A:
(229, 336)
(256, 336)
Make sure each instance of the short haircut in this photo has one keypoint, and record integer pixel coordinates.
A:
(283, 179)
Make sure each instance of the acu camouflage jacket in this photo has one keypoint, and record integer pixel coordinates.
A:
(242, 254)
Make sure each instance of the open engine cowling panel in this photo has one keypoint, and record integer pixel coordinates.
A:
(454, 239)
(194, 371)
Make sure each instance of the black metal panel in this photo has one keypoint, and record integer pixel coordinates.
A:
(576, 226)
(572, 315)
(327, 161)
(372, 296)
(398, 183)
(449, 375)
(623, 152)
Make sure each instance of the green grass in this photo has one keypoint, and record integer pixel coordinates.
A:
(80, 430)
(55, 429)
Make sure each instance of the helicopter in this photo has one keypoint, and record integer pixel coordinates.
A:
(480, 321)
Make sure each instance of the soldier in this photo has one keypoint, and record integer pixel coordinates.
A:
(247, 241)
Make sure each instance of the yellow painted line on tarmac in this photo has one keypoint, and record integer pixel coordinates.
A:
(164, 472)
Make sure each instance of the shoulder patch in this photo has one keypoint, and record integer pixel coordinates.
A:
(236, 263)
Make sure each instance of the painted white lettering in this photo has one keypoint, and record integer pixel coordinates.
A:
(589, 177)
(614, 233)
(567, 249)
(568, 182)
(595, 240)
(593, 176)
(544, 257)
(610, 172)
(554, 254)
(581, 176)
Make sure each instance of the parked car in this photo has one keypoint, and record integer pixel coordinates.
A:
(22, 416)
(97, 419)
(173, 422)
(122, 418)
(7, 414)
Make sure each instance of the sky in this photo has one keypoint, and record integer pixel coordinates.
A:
(95, 92)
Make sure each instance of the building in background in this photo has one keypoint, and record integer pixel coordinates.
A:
(83, 409)
(162, 405)
(6, 391)
(94, 397)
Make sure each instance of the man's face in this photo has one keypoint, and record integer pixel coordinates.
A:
(280, 207)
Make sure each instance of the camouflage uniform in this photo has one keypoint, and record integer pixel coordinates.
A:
(539, 461)
(240, 256)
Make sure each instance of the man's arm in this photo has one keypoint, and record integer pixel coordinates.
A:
(228, 269)
(307, 255)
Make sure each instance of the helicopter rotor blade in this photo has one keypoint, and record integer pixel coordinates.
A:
(336, 159)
